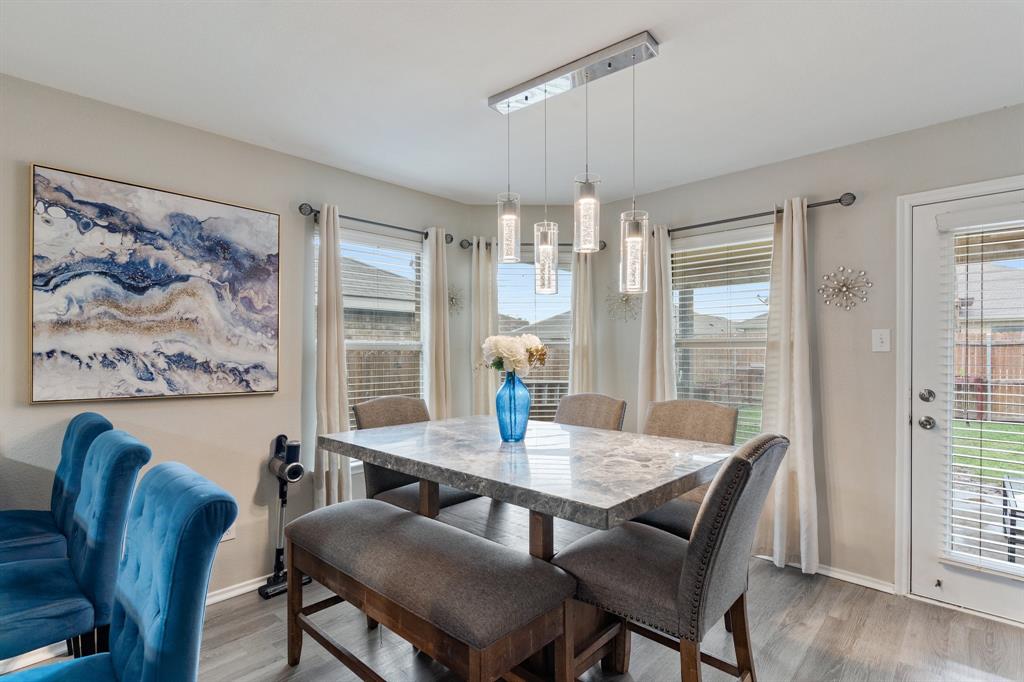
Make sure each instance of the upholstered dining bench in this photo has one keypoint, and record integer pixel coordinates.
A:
(471, 604)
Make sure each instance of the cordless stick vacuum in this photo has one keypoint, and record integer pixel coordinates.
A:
(285, 465)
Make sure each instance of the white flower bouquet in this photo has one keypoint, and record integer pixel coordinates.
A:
(517, 354)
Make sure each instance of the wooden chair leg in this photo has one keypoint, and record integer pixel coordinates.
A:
(741, 640)
(565, 646)
(689, 661)
(618, 660)
(476, 672)
(728, 622)
(294, 608)
(371, 624)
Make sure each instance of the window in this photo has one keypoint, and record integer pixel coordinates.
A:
(521, 311)
(381, 279)
(720, 293)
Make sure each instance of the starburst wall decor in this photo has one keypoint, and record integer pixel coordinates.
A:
(844, 288)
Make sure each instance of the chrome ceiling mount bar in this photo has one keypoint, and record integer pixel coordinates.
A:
(307, 210)
(846, 199)
(465, 243)
(575, 74)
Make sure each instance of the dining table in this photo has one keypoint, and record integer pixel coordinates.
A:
(593, 477)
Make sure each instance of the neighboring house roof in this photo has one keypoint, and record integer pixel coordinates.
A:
(550, 329)
(994, 293)
(369, 287)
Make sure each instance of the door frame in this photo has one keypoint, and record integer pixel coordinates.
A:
(904, 324)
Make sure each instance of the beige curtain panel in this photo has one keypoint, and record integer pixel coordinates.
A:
(581, 331)
(789, 532)
(438, 354)
(657, 380)
(331, 479)
(483, 320)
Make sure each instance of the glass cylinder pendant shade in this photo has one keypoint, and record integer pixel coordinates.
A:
(545, 257)
(508, 227)
(587, 233)
(633, 252)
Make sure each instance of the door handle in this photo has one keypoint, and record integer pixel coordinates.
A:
(927, 395)
(926, 423)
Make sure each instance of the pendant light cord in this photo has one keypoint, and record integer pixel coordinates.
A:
(633, 70)
(508, 147)
(545, 153)
(586, 127)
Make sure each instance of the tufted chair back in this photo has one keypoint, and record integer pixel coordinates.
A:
(67, 482)
(714, 573)
(390, 410)
(94, 544)
(692, 420)
(175, 525)
(593, 410)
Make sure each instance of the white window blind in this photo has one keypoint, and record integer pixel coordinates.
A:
(521, 311)
(381, 279)
(984, 299)
(720, 286)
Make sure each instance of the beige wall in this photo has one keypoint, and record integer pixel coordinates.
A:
(859, 417)
(225, 439)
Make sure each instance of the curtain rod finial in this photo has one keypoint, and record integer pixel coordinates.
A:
(847, 199)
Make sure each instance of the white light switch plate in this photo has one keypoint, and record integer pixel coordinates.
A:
(229, 534)
(880, 340)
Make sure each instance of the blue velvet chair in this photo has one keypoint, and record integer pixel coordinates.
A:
(43, 601)
(175, 525)
(42, 533)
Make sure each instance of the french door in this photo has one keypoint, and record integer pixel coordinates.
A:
(967, 414)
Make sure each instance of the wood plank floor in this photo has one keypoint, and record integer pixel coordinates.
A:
(803, 628)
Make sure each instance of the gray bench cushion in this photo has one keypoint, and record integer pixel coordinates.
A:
(473, 589)
(408, 496)
(631, 570)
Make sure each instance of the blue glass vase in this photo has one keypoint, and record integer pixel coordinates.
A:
(512, 404)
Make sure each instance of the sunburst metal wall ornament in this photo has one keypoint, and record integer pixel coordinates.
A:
(455, 300)
(844, 288)
(623, 307)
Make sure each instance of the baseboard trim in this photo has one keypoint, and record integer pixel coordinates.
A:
(8, 665)
(964, 609)
(237, 590)
(847, 576)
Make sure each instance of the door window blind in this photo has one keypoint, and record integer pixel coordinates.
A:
(521, 311)
(720, 286)
(381, 279)
(984, 300)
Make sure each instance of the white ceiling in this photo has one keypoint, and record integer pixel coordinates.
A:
(398, 90)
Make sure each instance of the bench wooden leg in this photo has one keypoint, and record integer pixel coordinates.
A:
(294, 608)
(741, 640)
(565, 646)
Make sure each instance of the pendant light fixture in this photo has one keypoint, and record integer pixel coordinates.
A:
(587, 208)
(633, 226)
(545, 234)
(508, 207)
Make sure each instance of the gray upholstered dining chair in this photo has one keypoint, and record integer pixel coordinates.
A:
(390, 486)
(672, 590)
(692, 420)
(594, 410)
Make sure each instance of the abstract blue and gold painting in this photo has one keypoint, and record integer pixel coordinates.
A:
(138, 292)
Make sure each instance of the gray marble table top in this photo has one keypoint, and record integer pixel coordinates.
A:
(593, 477)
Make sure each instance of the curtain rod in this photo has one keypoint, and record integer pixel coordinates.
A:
(307, 210)
(846, 199)
(465, 243)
